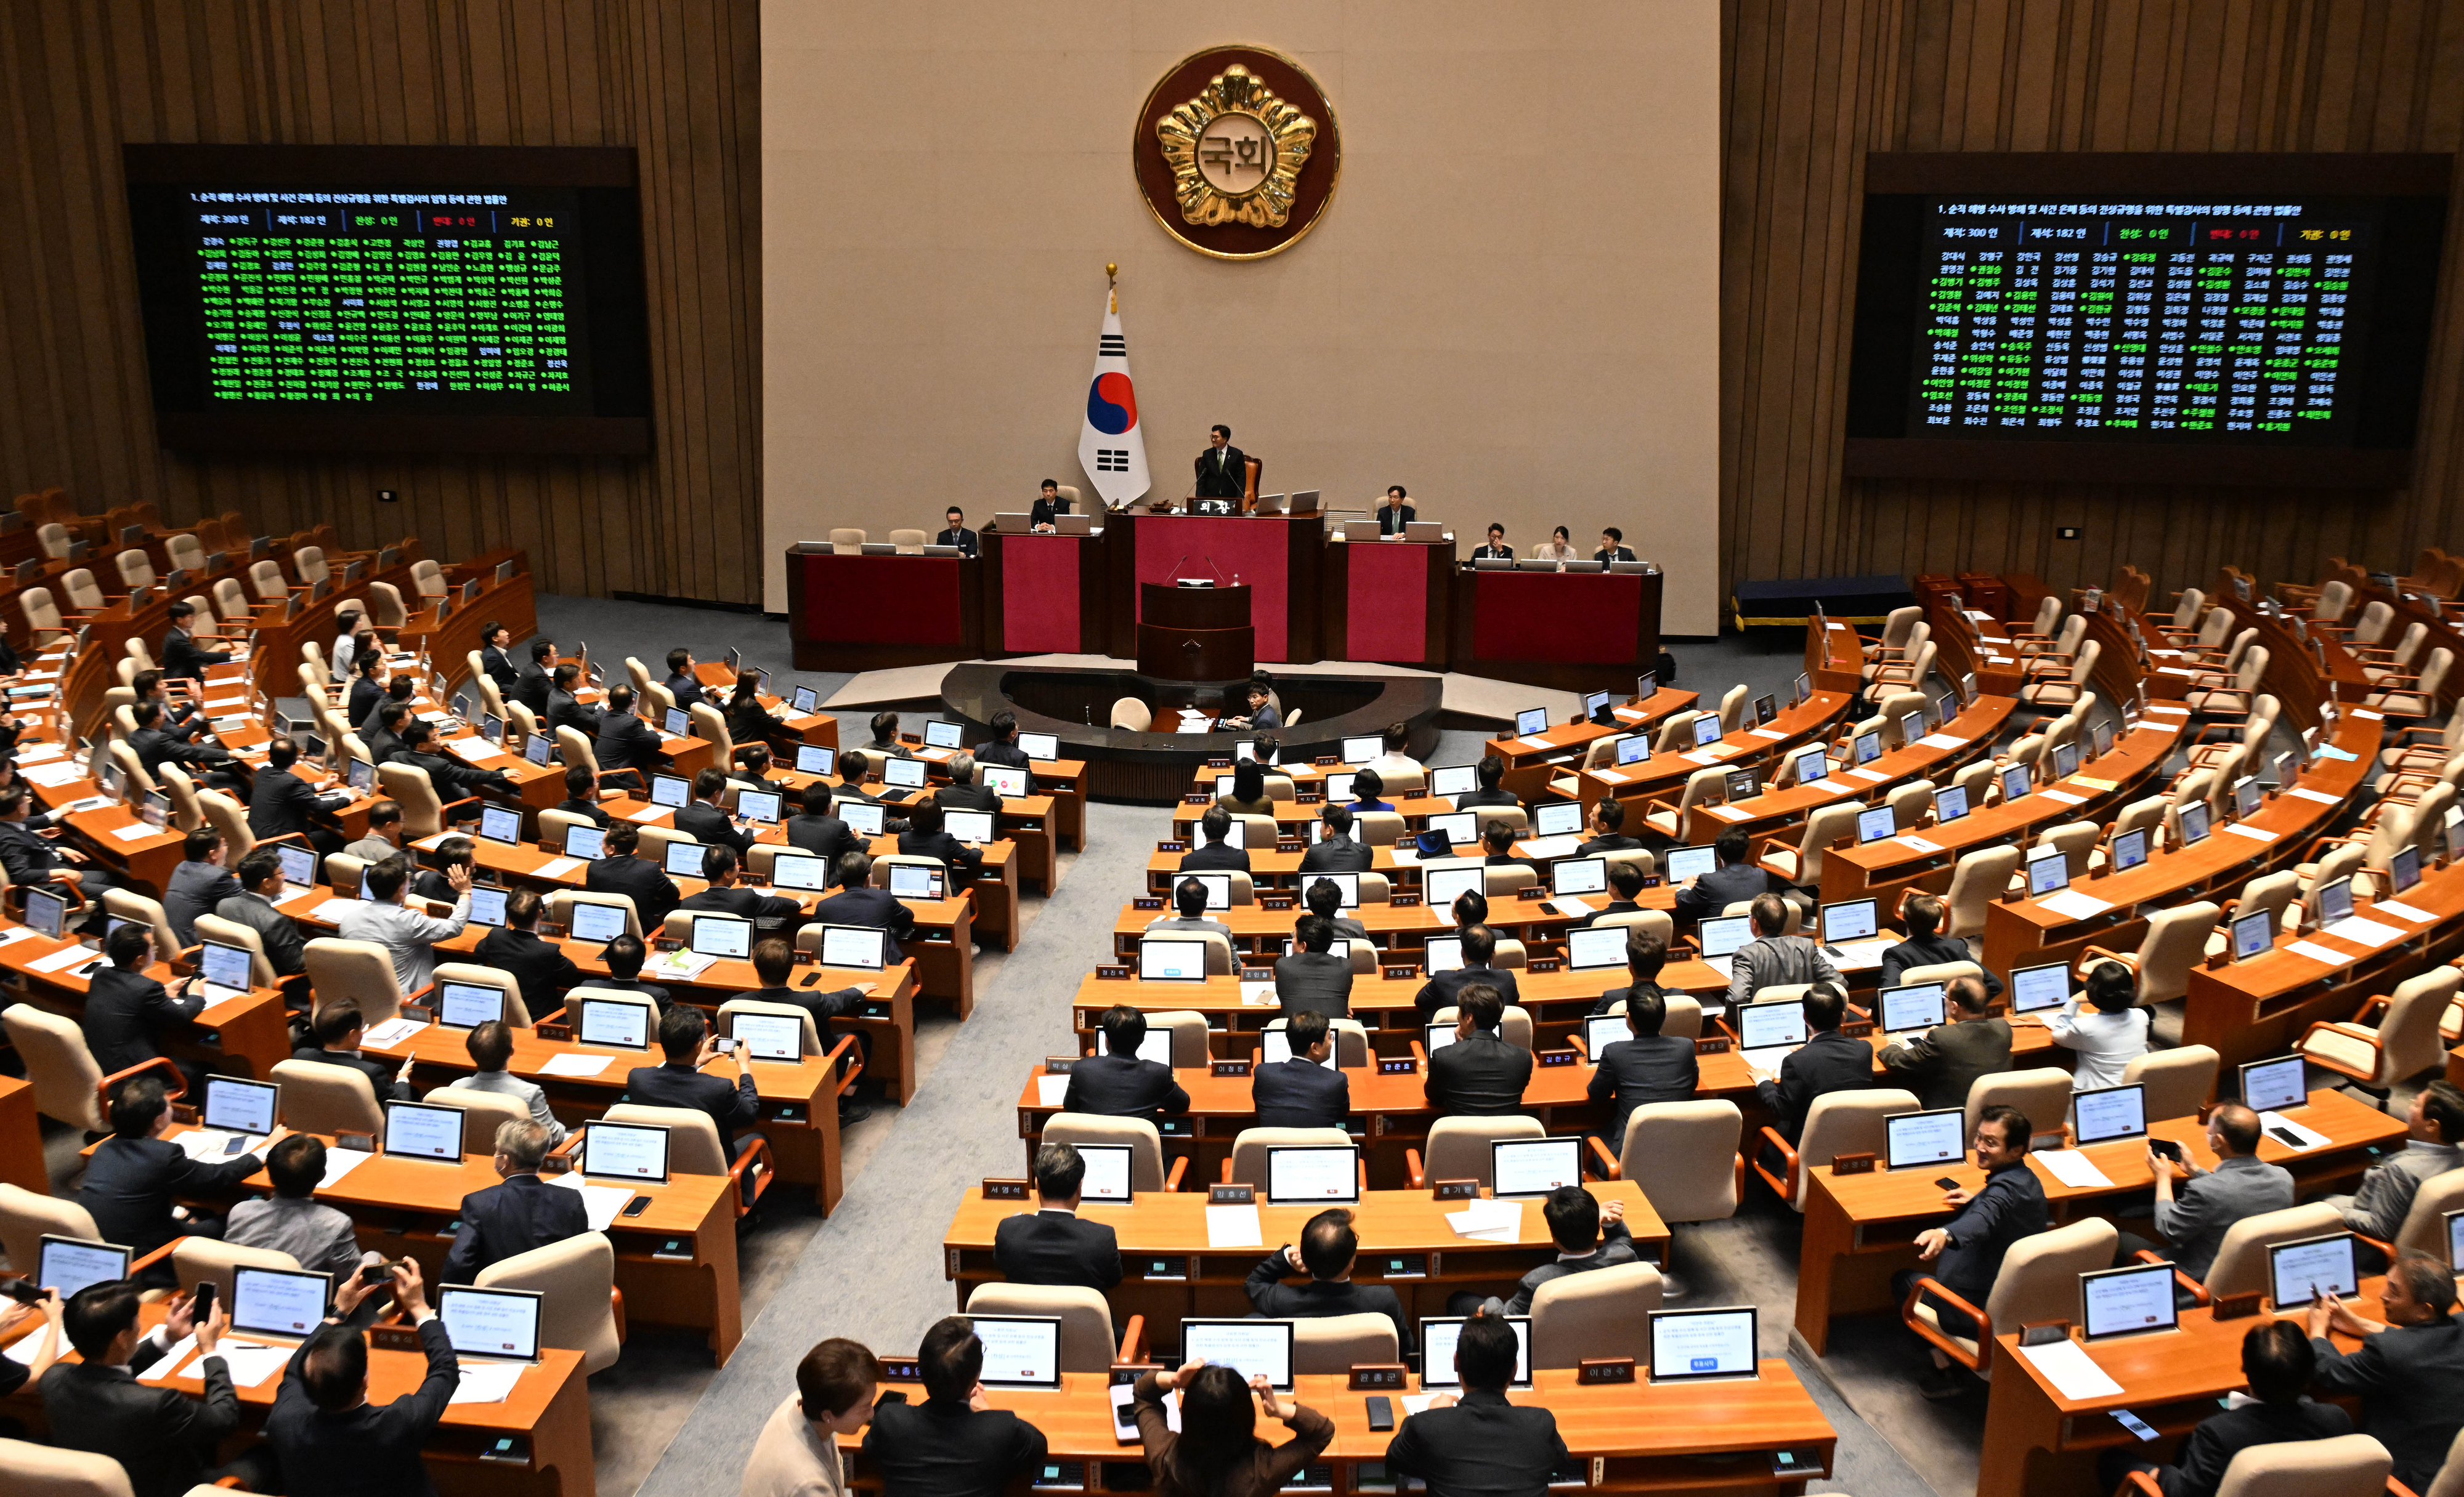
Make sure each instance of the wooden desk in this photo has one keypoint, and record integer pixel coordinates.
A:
(1674, 1439)
(1968, 736)
(2039, 1443)
(1405, 1245)
(1859, 1229)
(21, 1139)
(1533, 760)
(246, 1035)
(1660, 779)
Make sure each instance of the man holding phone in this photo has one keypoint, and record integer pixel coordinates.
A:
(1966, 1254)
(2195, 1214)
(685, 1038)
(163, 1437)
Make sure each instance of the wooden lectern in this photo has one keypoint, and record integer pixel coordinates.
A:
(1195, 633)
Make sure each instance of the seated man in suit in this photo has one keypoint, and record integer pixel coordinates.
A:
(451, 778)
(1327, 1251)
(702, 819)
(859, 903)
(385, 836)
(955, 532)
(951, 1443)
(1313, 980)
(522, 1213)
(1308, 1090)
(1625, 888)
(1050, 506)
(682, 685)
(1588, 1236)
(323, 1434)
(1117, 1083)
(2409, 1373)
(437, 883)
(1773, 959)
(818, 832)
(1001, 747)
(565, 709)
(962, 793)
(183, 657)
(490, 1047)
(1481, 1075)
(2278, 1365)
(1053, 1246)
(2195, 1207)
(1608, 830)
(752, 770)
(1495, 549)
(1216, 851)
(645, 882)
(408, 936)
(1223, 471)
(397, 692)
(623, 957)
(539, 969)
(260, 882)
(728, 896)
(163, 1440)
(1491, 773)
(885, 743)
(1335, 852)
(1735, 878)
(126, 1012)
(1646, 957)
(1249, 707)
(335, 1033)
(1444, 990)
(2434, 1145)
(1325, 899)
(282, 804)
(157, 745)
(1613, 546)
(1651, 1067)
(1922, 915)
(581, 798)
(774, 963)
(1515, 1447)
(685, 1039)
(384, 743)
(1396, 511)
(536, 681)
(136, 1175)
(1827, 1061)
(320, 1238)
(1497, 843)
(925, 838)
(1941, 1064)
(1965, 1255)
(497, 656)
(367, 693)
(1189, 914)
(623, 741)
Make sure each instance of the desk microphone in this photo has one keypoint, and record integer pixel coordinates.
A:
(1176, 568)
(1219, 571)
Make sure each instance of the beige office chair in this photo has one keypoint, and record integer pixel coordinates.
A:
(2179, 1081)
(1087, 1344)
(2418, 696)
(55, 539)
(2043, 1094)
(1682, 1016)
(225, 817)
(1838, 1122)
(483, 1113)
(1247, 1165)
(581, 1308)
(517, 1013)
(1703, 787)
(2345, 1466)
(27, 1218)
(561, 904)
(1147, 1171)
(573, 746)
(423, 809)
(206, 1260)
(2271, 891)
(265, 581)
(910, 543)
(1132, 714)
(50, 1472)
(2038, 1281)
(2176, 941)
(1350, 1036)
(2069, 688)
(136, 570)
(2240, 1265)
(231, 933)
(386, 613)
(186, 553)
(1459, 1148)
(1802, 865)
(321, 1099)
(710, 725)
(1219, 959)
(231, 601)
(68, 1084)
(129, 904)
(1603, 1314)
(2076, 840)
(427, 579)
(83, 592)
(1334, 1344)
(1896, 627)
(696, 1148)
(360, 970)
(1377, 828)
(1659, 921)
(847, 541)
(2392, 1039)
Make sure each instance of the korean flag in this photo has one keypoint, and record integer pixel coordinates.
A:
(1110, 447)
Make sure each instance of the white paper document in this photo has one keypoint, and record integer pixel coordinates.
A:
(2071, 1169)
(1729, 813)
(1233, 1226)
(50, 775)
(1772, 733)
(251, 1363)
(1549, 849)
(556, 867)
(2269, 1124)
(1489, 1221)
(477, 751)
(600, 1203)
(160, 1372)
(1700, 756)
(2361, 931)
(392, 1032)
(575, 1065)
(1943, 741)
(23, 1351)
(137, 833)
(2401, 911)
(486, 1382)
(1911, 840)
(2321, 797)
(2065, 797)
(1869, 777)
(1258, 995)
(1862, 953)
(1535, 741)
(2254, 834)
(1568, 904)
(2319, 953)
(332, 911)
(2073, 1373)
(2071, 904)
(212, 1146)
(1610, 776)
(1050, 1090)
(339, 1163)
(647, 813)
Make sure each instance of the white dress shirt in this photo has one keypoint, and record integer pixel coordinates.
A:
(2105, 1042)
(408, 936)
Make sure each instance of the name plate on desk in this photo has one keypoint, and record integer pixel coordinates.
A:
(1310, 798)
(1707, 1045)
(1852, 1164)
(1229, 1068)
(1597, 1370)
(394, 1338)
(1111, 974)
(1857, 1029)
(1275, 902)
(903, 1368)
(1560, 1057)
(1197, 798)
(1396, 973)
(1398, 1066)
(1171, 847)
(2237, 1307)
(1231, 1195)
(1327, 761)
(1403, 901)
(1004, 1189)
(1543, 964)
(1144, 903)
(1455, 1190)
(1059, 1065)
(559, 1032)
(1378, 1376)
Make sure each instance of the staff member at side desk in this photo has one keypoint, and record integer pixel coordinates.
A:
(1117, 1083)
(1966, 1254)
(1052, 1245)
(954, 532)
(1479, 1445)
(1223, 471)
(1613, 546)
(1304, 1091)
(1496, 549)
(1560, 547)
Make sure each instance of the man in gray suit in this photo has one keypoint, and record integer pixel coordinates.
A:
(260, 881)
(198, 884)
(1941, 1064)
(2409, 1372)
(1189, 904)
(1314, 978)
(1773, 960)
(2195, 1214)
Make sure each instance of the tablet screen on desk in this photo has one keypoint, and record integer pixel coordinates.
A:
(597, 922)
(1437, 1336)
(1874, 823)
(1217, 887)
(1436, 1037)
(1706, 731)
(1252, 1348)
(1167, 961)
(501, 1325)
(2129, 849)
(278, 1302)
(617, 1022)
(2254, 934)
(69, 1264)
(867, 946)
(1689, 1345)
(905, 773)
(1633, 750)
(1769, 1026)
(1009, 781)
(2335, 900)
(2195, 817)
(466, 1006)
(1949, 804)
(588, 843)
(1313, 1174)
(790, 870)
(723, 936)
(417, 1131)
(2271, 1086)
(1276, 1046)
(1600, 1030)
(2015, 782)
(940, 733)
(1444, 954)
(1535, 1166)
(1108, 1171)
(1918, 1006)
(1338, 789)
(1529, 720)
(2404, 868)
(1848, 920)
(2109, 1112)
(299, 864)
(1691, 863)
(2065, 761)
(976, 826)
(248, 1107)
(1019, 1351)
(816, 759)
(487, 906)
(1557, 818)
(46, 912)
(626, 1151)
(538, 750)
(1918, 1140)
(683, 859)
(1594, 701)
(1812, 765)
(2034, 989)
(1591, 948)
(806, 700)
(1454, 779)
(1041, 748)
(769, 1036)
(501, 824)
(1347, 887)
(1154, 1045)
(2455, 1240)
(2298, 1271)
(227, 967)
(916, 880)
(1360, 750)
(1722, 936)
(1462, 828)
(678, 722)
(2126, 1301)
(2049, 871)
(1446, 885)
(1578, 875)
(753, 805)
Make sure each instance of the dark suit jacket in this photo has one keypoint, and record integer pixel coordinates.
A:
(967, 797)
(282, 804)
(868, 906)
(1646, 1068)
(454, 779)
(380, 1073)
(564, 710)
(1221, 477)
(1720, 888)
(130, 1182)
(1008, 754)
(653, 891)
(285, 946)
(531, 690)
(1276, 1300)
(743, 903)
(826, 837)
(1621, 554)
(184, 657)
(1484, 1447)
(1295, 1094)
(2411, 1379)
(513, 1217)
(123, 1010)
(634, 984)
(195, 889)
(28, 858)
(1827, 1061)
(1612, 907)
(500, 668)
(961, 538)
(1931, 951)
(685, 689)
(382, 745)
(1482, 1076)
(1942, 1063)
(372, 1450)
(588, 809)
(1445, 990)
(943, 1448)
(708, 824)
(1615, 842)
(1337, 854)
(965, 863)
(540, 968)
(1390, 520)
(1123, 1086)
(2219, 1437)
(1041, 512)
(163, 1438)
(2010, 1206)
(1475, 800)
(1315, 982)
(366, 696)
(732, 1105)
(1492, 553)
(1626, 995)
(1056, 1247)
(624, 741)
(1213, 856)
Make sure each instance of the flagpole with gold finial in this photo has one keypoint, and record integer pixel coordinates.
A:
(1112, 285)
